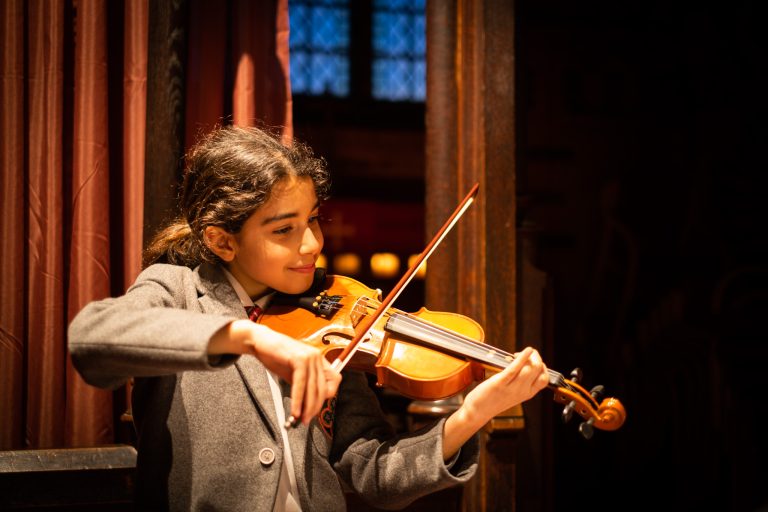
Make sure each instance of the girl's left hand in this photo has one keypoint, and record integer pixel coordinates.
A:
(520, 381)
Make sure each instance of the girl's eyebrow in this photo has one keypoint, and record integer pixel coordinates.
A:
(278, 217)
(287, 215)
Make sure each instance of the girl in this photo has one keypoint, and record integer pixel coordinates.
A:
(213, 388)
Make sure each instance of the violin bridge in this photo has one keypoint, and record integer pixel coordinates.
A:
(360, 310)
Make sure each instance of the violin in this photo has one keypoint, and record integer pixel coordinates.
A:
(426, 355)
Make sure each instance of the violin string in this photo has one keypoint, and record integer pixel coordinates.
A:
(480, 349)
(466, 343)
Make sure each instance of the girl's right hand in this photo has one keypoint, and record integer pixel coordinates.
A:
(303, 366)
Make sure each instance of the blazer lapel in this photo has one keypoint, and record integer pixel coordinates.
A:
(218, 297)
(255, 377)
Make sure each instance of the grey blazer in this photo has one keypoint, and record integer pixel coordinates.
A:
(208, 436)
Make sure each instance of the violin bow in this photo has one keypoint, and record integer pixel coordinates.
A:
(365, 327)
(607, 415)
(343, 358)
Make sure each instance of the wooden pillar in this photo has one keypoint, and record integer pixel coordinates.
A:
(471, 138)
(165, 112)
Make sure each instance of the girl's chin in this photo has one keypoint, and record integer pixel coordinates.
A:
(297, 286)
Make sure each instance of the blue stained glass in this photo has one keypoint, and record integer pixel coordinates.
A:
(319, 43)
(330, 29)
(299, 78)
(420, 81)
(298, 19)
(340, 86)
(380, 30)
(409, 5)
(329, 75)
(394, 80)
(402, 34)
(380, 77)
(388, 38)
(420, 31)
(399, 50)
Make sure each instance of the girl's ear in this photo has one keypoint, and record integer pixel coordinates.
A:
(220, 242)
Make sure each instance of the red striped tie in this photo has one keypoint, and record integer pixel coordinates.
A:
(254, 312)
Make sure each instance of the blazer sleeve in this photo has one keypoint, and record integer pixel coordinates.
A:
(156, 328)
(388, 470)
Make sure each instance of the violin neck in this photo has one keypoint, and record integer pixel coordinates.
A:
(453, 343)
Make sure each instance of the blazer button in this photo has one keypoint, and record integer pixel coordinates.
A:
(267, 456)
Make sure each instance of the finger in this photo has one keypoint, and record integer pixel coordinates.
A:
(535, 366)
(535, 374)
(332, 381)
(312, 397)
(535, 358)
(543, 380)
(321, 388)
(524, 356)
(521, 359)
(543, 373)
(298, 388)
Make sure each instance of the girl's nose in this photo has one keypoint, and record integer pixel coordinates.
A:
(312, 241)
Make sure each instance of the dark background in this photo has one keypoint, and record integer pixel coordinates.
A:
(640, 177)
(642, 157)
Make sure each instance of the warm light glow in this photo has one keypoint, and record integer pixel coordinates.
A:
(346, 264)
(421, 273)
(385, 265)
(322, 261)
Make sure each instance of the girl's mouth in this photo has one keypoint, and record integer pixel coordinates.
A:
(304, 269)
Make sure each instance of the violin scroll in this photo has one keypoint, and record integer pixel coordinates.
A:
(608, 414)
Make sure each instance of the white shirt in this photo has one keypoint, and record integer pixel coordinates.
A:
(287, 490)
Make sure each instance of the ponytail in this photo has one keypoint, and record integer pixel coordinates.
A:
(176, 245)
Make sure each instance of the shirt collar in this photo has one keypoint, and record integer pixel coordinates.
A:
(243, 295)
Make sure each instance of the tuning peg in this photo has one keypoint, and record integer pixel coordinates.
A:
(587, 429)
(568, 411)
(597, 392)
(576, 375)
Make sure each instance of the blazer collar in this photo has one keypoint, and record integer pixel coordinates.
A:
(217, 296)
(215, 293)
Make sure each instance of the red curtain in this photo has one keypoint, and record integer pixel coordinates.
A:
(255, 84)
(73, 95)
(63, 192)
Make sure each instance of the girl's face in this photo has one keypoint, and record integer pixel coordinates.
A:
(280, 242)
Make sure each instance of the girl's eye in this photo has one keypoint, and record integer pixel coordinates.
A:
(314, 218)
(282, 231)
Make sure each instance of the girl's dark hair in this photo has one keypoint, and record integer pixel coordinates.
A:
(229, 174)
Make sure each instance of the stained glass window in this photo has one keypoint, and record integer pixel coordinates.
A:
(399, 50)
(319, 47)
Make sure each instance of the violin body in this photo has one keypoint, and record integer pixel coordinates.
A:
(425, 355)
(333, 316)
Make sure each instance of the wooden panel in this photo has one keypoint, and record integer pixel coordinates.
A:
(72, 479)
(471, 138)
